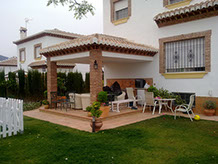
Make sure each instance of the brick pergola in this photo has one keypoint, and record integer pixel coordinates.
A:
(90, 50)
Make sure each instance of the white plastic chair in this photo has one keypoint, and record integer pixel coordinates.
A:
(186, 108)
(149, 101)
(130, 94)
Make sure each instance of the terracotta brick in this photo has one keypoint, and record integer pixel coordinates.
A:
(51, 77)
(95, 74)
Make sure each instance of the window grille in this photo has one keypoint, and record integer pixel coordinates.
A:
(123, 13)
(185, 55)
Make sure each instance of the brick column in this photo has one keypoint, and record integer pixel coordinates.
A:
(51, 77)
(95, 74)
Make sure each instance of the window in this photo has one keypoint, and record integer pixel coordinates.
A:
(120, 11)
(185, 55)
(172, 4)
(37, 47)
(185, 97)
(22, 55)
(174, 1)
(123, 13)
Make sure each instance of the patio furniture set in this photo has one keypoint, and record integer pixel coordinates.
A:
(81, 101)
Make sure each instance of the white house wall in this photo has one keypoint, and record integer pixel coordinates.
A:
(46, 41)
(7, 69)
(142, 28)
(29, 46)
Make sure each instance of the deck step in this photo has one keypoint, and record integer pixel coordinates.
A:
(65, 114)
(86, 118)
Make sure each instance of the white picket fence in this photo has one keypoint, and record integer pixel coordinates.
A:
(11, 117)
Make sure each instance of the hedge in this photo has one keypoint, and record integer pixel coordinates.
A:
(33, 85)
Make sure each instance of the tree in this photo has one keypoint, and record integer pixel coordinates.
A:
(80, 9)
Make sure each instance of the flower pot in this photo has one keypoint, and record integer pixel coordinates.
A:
(209, 112)
(105, 111)
(98, 124)
(46, 106)
(89, 114)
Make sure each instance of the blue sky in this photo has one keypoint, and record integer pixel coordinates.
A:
(13, 13)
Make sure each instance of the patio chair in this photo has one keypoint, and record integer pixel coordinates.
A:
(186, 108)
(130, 94)
(149, 101)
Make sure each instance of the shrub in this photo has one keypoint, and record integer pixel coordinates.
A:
(61, 86)
(31, 105)
(95, 109)
(45, 102)
(21, 77)
(45, 94)
(89, 108)
(70, 82)
(178, 100)
(87, 83)
(36, 82)
(164, 93)
(102, 97)
(62, 75)
(2, 76)
(78, 82)
(29, 82)
(209, 104)
(3, 86)
(12, 84)
(154, 90)
(12, 76)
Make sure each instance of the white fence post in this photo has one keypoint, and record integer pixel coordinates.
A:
(11, 117)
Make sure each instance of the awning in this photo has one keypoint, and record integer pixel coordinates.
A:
(99, 41)
(197, 11)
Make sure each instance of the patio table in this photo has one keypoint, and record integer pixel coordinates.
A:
(164, 102)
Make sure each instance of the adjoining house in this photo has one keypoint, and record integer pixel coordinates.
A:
(28, 50)
(186, 32)
(8, 65)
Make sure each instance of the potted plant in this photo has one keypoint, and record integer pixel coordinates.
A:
(102, 98)
(88, 109)
(96, 113)
(45, 104)
(209, 108)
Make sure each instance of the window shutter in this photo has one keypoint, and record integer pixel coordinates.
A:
(165, 2)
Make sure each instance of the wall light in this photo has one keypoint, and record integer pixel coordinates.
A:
(95, 65)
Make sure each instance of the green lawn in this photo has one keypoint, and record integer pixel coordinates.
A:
(159, 140)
